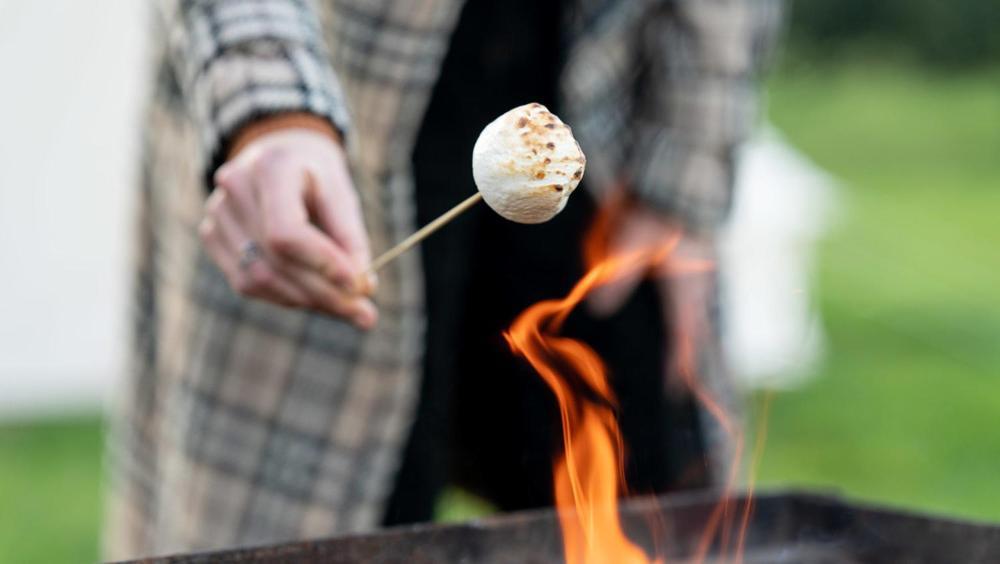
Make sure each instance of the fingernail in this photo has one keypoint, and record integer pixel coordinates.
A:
(366, 316)
(364, 284)
(371, 283)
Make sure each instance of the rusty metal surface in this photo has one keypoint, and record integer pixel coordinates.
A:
(799, 528)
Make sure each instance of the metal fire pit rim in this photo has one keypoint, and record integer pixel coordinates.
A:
(639, 503)
(862, 516)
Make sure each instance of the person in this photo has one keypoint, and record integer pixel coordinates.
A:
(268, 399)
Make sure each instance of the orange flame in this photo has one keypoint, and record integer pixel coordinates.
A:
(589, 474)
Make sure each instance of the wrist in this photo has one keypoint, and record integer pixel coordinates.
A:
(280, 122)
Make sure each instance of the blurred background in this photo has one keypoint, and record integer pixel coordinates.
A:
(864, 286)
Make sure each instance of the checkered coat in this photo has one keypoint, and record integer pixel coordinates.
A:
(245, 423)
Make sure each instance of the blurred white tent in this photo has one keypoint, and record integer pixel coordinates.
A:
(782, 208)
(73, 81)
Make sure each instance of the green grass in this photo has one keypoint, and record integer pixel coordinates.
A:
(906, 409)
(50, 502)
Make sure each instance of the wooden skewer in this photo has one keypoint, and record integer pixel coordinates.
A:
(408, 243)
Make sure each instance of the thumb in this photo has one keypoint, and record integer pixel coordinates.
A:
(338, 213)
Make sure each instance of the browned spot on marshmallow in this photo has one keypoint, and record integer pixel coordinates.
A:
(557, 187)
(550, 126)
(540, 174)
(550, 145)
(547, 160)
(578, 173)
(522, 122)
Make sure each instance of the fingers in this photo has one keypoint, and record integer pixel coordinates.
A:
(269, 201)
(286, 230)
(261, 280)
(224, 238)
(331, 298)
(339, 214)
(334, 205)
(289, 285)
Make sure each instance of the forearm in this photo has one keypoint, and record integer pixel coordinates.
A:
(276, 122)
(240, 61)
(699, 104)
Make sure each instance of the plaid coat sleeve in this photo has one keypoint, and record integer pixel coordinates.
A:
(696, 103)
(238, 60)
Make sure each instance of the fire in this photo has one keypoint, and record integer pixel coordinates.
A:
(589, 474)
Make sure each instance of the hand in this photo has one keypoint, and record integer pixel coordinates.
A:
(681, 280)
(288, 193)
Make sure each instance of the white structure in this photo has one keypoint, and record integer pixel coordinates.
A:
(783, 206)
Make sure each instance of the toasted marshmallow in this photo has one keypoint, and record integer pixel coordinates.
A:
(526, 163)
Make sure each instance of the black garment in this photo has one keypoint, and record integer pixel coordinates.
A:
(486, 420)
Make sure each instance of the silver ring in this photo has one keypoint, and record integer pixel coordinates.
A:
(249, 254)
